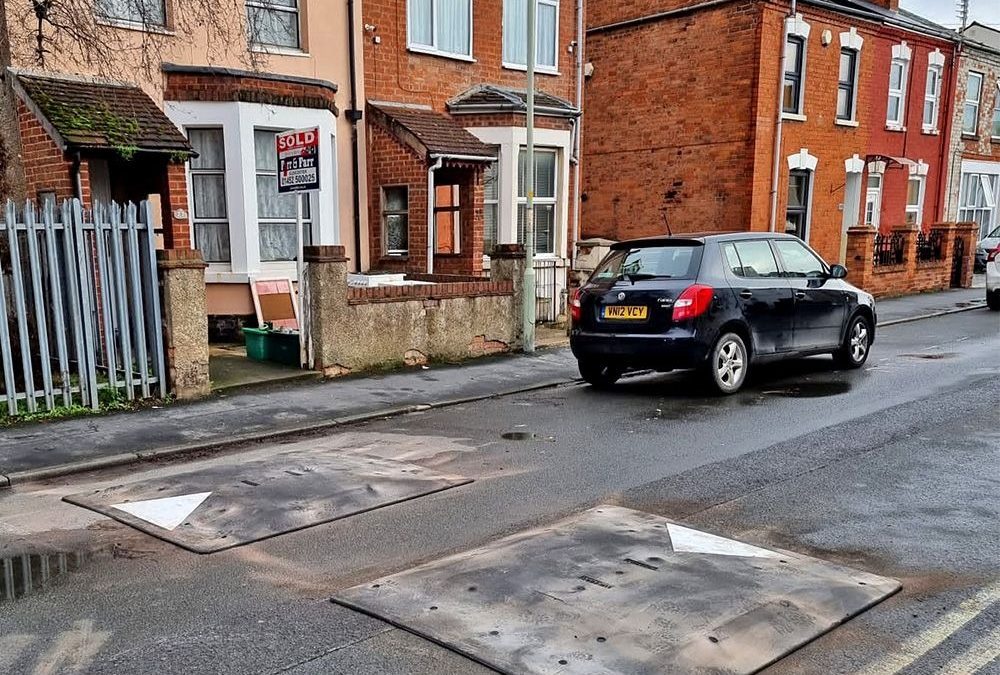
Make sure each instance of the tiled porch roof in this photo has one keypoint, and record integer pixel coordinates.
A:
(89, 115)
(488, 98)
(430, 134)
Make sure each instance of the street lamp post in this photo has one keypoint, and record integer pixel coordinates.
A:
(528, 310)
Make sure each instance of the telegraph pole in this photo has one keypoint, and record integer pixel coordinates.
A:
(528, 316)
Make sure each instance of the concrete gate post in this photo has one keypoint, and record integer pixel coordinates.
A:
(326, 277)
(507, 264)
(185, 317)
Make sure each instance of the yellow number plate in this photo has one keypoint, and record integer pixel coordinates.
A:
(625, 312)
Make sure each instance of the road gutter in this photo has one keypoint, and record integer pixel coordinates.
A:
(931, 315)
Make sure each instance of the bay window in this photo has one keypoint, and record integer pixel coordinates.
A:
(276, 214)
(273, 23)
(491, 206)
(209, 216)
(440, 27)
(970, 108)
(544, 202)
(515, 35)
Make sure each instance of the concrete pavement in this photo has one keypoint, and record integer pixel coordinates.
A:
(228, 420)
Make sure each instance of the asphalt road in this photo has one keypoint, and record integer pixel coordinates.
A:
(892, 469)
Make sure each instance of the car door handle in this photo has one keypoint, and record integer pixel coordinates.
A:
(799, 295)
(746, 295)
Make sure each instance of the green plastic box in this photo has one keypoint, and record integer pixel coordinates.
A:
(256, 339)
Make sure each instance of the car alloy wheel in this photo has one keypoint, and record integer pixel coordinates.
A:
(859, 341)
(729, 363)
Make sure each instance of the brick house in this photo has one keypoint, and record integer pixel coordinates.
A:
(687, 140)
(446, 129)
(974, 157)
(195, 128)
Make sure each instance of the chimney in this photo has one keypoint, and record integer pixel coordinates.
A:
(892, 5)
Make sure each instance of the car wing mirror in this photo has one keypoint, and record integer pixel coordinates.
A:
(838, 272)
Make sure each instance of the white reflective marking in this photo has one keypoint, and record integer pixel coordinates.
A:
(686, 540)
(982, 653)
(168, 512)
(938, 632)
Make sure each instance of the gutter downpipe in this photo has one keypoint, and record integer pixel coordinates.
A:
(776, 162)
(355, 116)
(577, 130)
(430, 212)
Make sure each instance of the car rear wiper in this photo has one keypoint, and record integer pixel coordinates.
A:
(632, 277)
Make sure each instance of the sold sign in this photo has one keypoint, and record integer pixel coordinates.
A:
(298, 160)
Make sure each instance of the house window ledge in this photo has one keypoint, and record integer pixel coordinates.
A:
(279, 51)
(970, 137)
(931, 131)
(137, 26)
(894, 127)
(995, 139)
(539, 70)
(430, 51)
(794, 117)
(847, 123)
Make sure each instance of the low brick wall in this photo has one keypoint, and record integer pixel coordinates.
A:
(911, 275)
(356, 329)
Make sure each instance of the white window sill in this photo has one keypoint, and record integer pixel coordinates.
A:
(220, 273)
(794, 117)
(930, 131)
(430, 51)
(890, 126)
(137, 26)
(279, 51)
(847, 123)
(539, 70)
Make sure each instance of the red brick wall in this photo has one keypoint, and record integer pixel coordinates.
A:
(655, 124)
(392, 73)
(603, 13)
(218, 87)
(391, 163)
(45, 166)
(176, 231)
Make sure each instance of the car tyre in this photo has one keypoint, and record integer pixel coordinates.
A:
(993, 300)
(599, 375)
(857, 343)
(728, 364)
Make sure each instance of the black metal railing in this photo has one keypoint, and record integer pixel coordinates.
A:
(889, 249)
(930, 247)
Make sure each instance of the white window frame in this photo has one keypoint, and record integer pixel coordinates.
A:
(139, 23)
(539, 66)
(995, 125)
(552, 201)
(433, 48)
(873, 200)
(989, 187)
(975, 104)
(267, 47)
(935, 66)
(493, 202)
(901, 55)
(192, 173)
(916, 209)
(386, 251)
(804, 161)
(796, 27)
(308, 212)
(854, 42)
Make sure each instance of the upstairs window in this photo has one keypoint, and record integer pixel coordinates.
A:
(970, 108)
(932, 98)
(440, 27)
(996, 115)
(515, 33)
(139, 12)
(794, 77)
(273, 23)
(847, 85)
(897, 93)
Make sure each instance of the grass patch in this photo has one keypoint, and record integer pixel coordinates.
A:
(109, 401)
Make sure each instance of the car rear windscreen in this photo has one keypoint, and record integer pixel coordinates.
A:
(650, 262)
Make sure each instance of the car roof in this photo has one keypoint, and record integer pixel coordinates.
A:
(696, 238)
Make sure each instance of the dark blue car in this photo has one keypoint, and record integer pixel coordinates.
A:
(716, 302)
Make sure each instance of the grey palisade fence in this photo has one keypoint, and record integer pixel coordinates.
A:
(79, 306)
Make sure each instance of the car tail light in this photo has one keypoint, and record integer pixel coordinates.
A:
(575, 306)
(694, 301)
(993, 255)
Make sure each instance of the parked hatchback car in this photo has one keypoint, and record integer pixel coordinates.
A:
(993, 278)
(987, 244)
(716, 302)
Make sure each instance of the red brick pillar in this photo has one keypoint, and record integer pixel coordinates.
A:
(174, 208)
(860, 251)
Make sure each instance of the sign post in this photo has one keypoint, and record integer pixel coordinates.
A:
(298, 173)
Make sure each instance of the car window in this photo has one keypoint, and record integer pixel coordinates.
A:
(799, 260)
(756, 259)
(653, 262)
(732, 259)
(995, 234)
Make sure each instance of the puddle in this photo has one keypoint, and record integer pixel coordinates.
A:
(28, 573)
(932, 356)
(518, 436)
(811, 390)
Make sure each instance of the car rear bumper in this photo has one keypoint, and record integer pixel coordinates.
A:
(676, 349)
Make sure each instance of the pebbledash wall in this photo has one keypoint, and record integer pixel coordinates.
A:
(452, 319)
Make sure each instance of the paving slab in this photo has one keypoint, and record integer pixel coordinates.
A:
(219, 507)
(614, 590)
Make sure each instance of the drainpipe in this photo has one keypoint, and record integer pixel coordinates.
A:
(354, 115)
(577, 130)
(430, 213)
(776, 161)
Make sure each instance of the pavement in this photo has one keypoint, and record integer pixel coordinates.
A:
(234, 418)
(889, 470)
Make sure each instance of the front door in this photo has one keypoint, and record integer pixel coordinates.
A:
(764, 295)
(820, 305)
